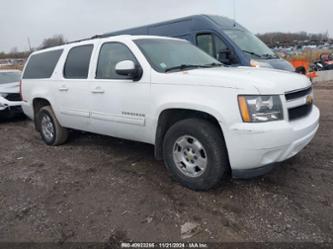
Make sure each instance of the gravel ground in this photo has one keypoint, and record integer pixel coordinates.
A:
(97, 188)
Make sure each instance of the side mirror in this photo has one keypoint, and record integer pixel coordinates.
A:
(226, 56)
(130, 69)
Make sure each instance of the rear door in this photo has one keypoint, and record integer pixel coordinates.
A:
(119, 104)
(73, 90)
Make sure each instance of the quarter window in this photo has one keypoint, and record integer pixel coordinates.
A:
(77, 63)
(41, 66)
(110, 55)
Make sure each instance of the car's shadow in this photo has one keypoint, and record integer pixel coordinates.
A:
(16, 119)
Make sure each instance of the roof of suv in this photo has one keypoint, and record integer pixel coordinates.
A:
(111, 38)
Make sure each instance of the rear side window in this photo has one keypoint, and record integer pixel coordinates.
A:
(41, 66)
(77, 63)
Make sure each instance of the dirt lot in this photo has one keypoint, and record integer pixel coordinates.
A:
(98, 188)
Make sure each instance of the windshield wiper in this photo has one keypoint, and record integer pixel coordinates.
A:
(252, 53)
(183, 67)
(263, 56)
(213, 65)
(190, 66)
(270, 56)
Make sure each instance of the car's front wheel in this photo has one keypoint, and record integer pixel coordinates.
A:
(195, 154)
(51, 131)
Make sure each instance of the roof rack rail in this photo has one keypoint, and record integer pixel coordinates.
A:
(86, 39)
(105, 35)
(92, 38)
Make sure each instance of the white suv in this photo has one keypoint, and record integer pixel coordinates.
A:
(204, 119)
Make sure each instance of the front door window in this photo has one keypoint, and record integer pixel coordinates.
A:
(215, 47)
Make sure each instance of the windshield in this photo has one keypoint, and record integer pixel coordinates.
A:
(250, 44)
(166, 55)
(9, 77)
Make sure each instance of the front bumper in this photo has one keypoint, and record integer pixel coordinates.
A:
(4, 103)
(252, 173)
(256, 147)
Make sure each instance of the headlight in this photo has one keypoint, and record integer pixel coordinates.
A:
(258, 109)
(255, 63)
(4, 95)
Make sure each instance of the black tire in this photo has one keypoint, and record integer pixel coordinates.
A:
(213, 143)
(60, 134)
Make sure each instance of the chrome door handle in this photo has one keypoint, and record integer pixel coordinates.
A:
(63, 89)
(98, 90)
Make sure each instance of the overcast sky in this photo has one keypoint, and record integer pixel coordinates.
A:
(75, 19)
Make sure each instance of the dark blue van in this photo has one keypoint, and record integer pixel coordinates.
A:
(221, 37)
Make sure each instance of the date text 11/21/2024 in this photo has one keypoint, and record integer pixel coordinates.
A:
(164, 245)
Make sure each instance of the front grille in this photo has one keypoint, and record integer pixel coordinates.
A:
(298, 94)
(300, 111)
(13, 97)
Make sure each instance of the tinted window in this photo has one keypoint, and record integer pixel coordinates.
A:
(9, 77)
(211, 44)
(219, 45)
(41, 66)
(205, 42)
(77, 63)
(110, 55)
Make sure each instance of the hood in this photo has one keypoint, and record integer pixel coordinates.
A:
(261, 80)
(10, 87)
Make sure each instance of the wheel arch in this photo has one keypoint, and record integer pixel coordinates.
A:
(37, 104)
(169, 116)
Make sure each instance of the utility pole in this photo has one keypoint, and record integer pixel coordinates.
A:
(235, 17)
(29, 44)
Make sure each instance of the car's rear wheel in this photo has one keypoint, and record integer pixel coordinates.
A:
(51, 131)
(195, 154)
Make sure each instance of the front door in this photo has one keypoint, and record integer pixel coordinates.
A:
(119, 104)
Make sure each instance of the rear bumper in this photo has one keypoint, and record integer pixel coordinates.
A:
(257, 147)
(11, 112)
(4, 103)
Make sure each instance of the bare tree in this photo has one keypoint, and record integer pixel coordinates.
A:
(292, 39)
(53, 41)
